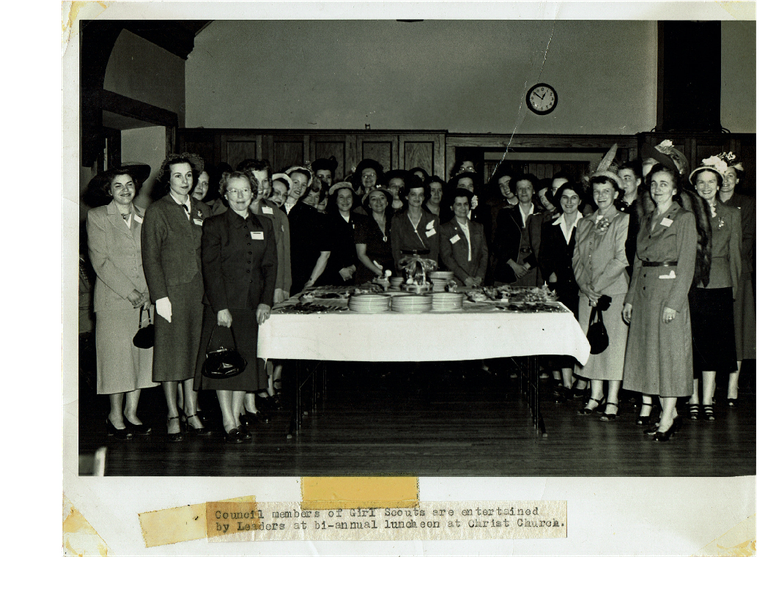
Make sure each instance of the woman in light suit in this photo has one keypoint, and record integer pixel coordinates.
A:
(600, 269)
(114, 247)
(463, 249)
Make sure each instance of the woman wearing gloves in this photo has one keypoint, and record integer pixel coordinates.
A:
(170, 242)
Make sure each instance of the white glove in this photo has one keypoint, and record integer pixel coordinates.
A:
(163, 308)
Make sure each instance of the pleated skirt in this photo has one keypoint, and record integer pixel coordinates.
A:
(121, 367)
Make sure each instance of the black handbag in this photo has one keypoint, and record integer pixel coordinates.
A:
(145, 336)
(223, 362)
(596, 333)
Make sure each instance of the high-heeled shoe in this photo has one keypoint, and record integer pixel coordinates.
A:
(610, 416)
(644, 420)
(120, 434)
(733, 403)
(234, 436)
(140, 429)
(246, 433)
(175, 436)
(693, 411)
(664, 436)
(709, 412)
(203, 431)
(586, 410)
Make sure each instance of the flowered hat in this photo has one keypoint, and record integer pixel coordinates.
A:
(666, 154)
(716, 164)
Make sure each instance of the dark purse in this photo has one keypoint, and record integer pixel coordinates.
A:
(223, 362)
(596, 333)
(145, 336)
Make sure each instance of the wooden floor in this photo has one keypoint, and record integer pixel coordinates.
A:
(431, 420)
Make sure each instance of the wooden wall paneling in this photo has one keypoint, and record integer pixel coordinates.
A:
(239, 150)
(352, 155)
(289, 150)
(382, 148)
(332, 145)
(419, 154)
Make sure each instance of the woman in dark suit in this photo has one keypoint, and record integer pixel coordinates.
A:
(558, 240)
(413, 228)
(372, 237)
(170, 250)
(463, 249)
(114, 247)
(239, 257)
(712, 324)
(341, 223)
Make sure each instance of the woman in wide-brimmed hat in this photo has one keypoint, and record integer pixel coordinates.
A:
(712, 301)
(120, 297)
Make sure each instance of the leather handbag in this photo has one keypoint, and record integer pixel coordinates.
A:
(223, 362)
(145, 336)
(596, 332)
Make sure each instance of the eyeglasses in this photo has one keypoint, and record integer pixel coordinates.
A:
(236, 192)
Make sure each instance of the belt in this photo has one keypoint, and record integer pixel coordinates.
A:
(659, 263)
(526, 250)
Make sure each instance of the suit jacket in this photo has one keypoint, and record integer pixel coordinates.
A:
(726, 248)
(404, 238)
(115, 253)
(455, 250)
(170, 244)
(556, 256)
(281, 228)
(509, 232)
(239, 259)
(343, 252)
(600, 260)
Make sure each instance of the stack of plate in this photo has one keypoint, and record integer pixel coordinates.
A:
(447, 301)
(412, 303)
(438, 285)
(441, 275)
(369, 303)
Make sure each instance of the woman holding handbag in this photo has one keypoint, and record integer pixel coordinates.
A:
(239, 258)
(600, 269)
(120, 299)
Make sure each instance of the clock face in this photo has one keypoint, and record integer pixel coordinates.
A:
(541, 99)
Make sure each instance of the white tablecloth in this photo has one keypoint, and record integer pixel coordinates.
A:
(432, 336)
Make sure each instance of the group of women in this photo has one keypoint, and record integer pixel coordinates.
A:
(206, 268)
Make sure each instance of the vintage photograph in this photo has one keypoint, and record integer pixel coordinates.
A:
(495, 245)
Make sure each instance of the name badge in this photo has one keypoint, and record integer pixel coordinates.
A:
(666, 222)
(431, 225)
(266, 210)
(138, 219)
(198, 222)
(431, 232)
(455, 239)
(668, 276)
(257, 235)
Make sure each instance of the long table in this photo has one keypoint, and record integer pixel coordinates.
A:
(478, 331)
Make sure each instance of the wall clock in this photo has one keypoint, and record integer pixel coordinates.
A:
(541, 99)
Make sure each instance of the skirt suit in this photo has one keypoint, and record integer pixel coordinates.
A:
(659, 358)
(114, 248)
(170, 250)
(239, 258)
(712, 324)
(600, 261)
(466, 259)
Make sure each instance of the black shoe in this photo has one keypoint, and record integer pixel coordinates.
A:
(586, 410)
(709, 412)
(203, 431)
(245, 432)
(235, 436)
(665, 436)
(175, 437)
(120, 434)
(644, 420)
(733, 403)
(138, 429)
(254, 418)
(610, 416)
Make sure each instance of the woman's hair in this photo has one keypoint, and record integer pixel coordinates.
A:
(251, 164)
(460, 192)
(321, 188)
(367, 163)
(532, 179)
(633, 165)
(385, 192)
(457, 165)
(283, 181)
(415, 170)
(226, 177)
(414, 182)
(164, 177)
(435, 179)
(333, 195)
